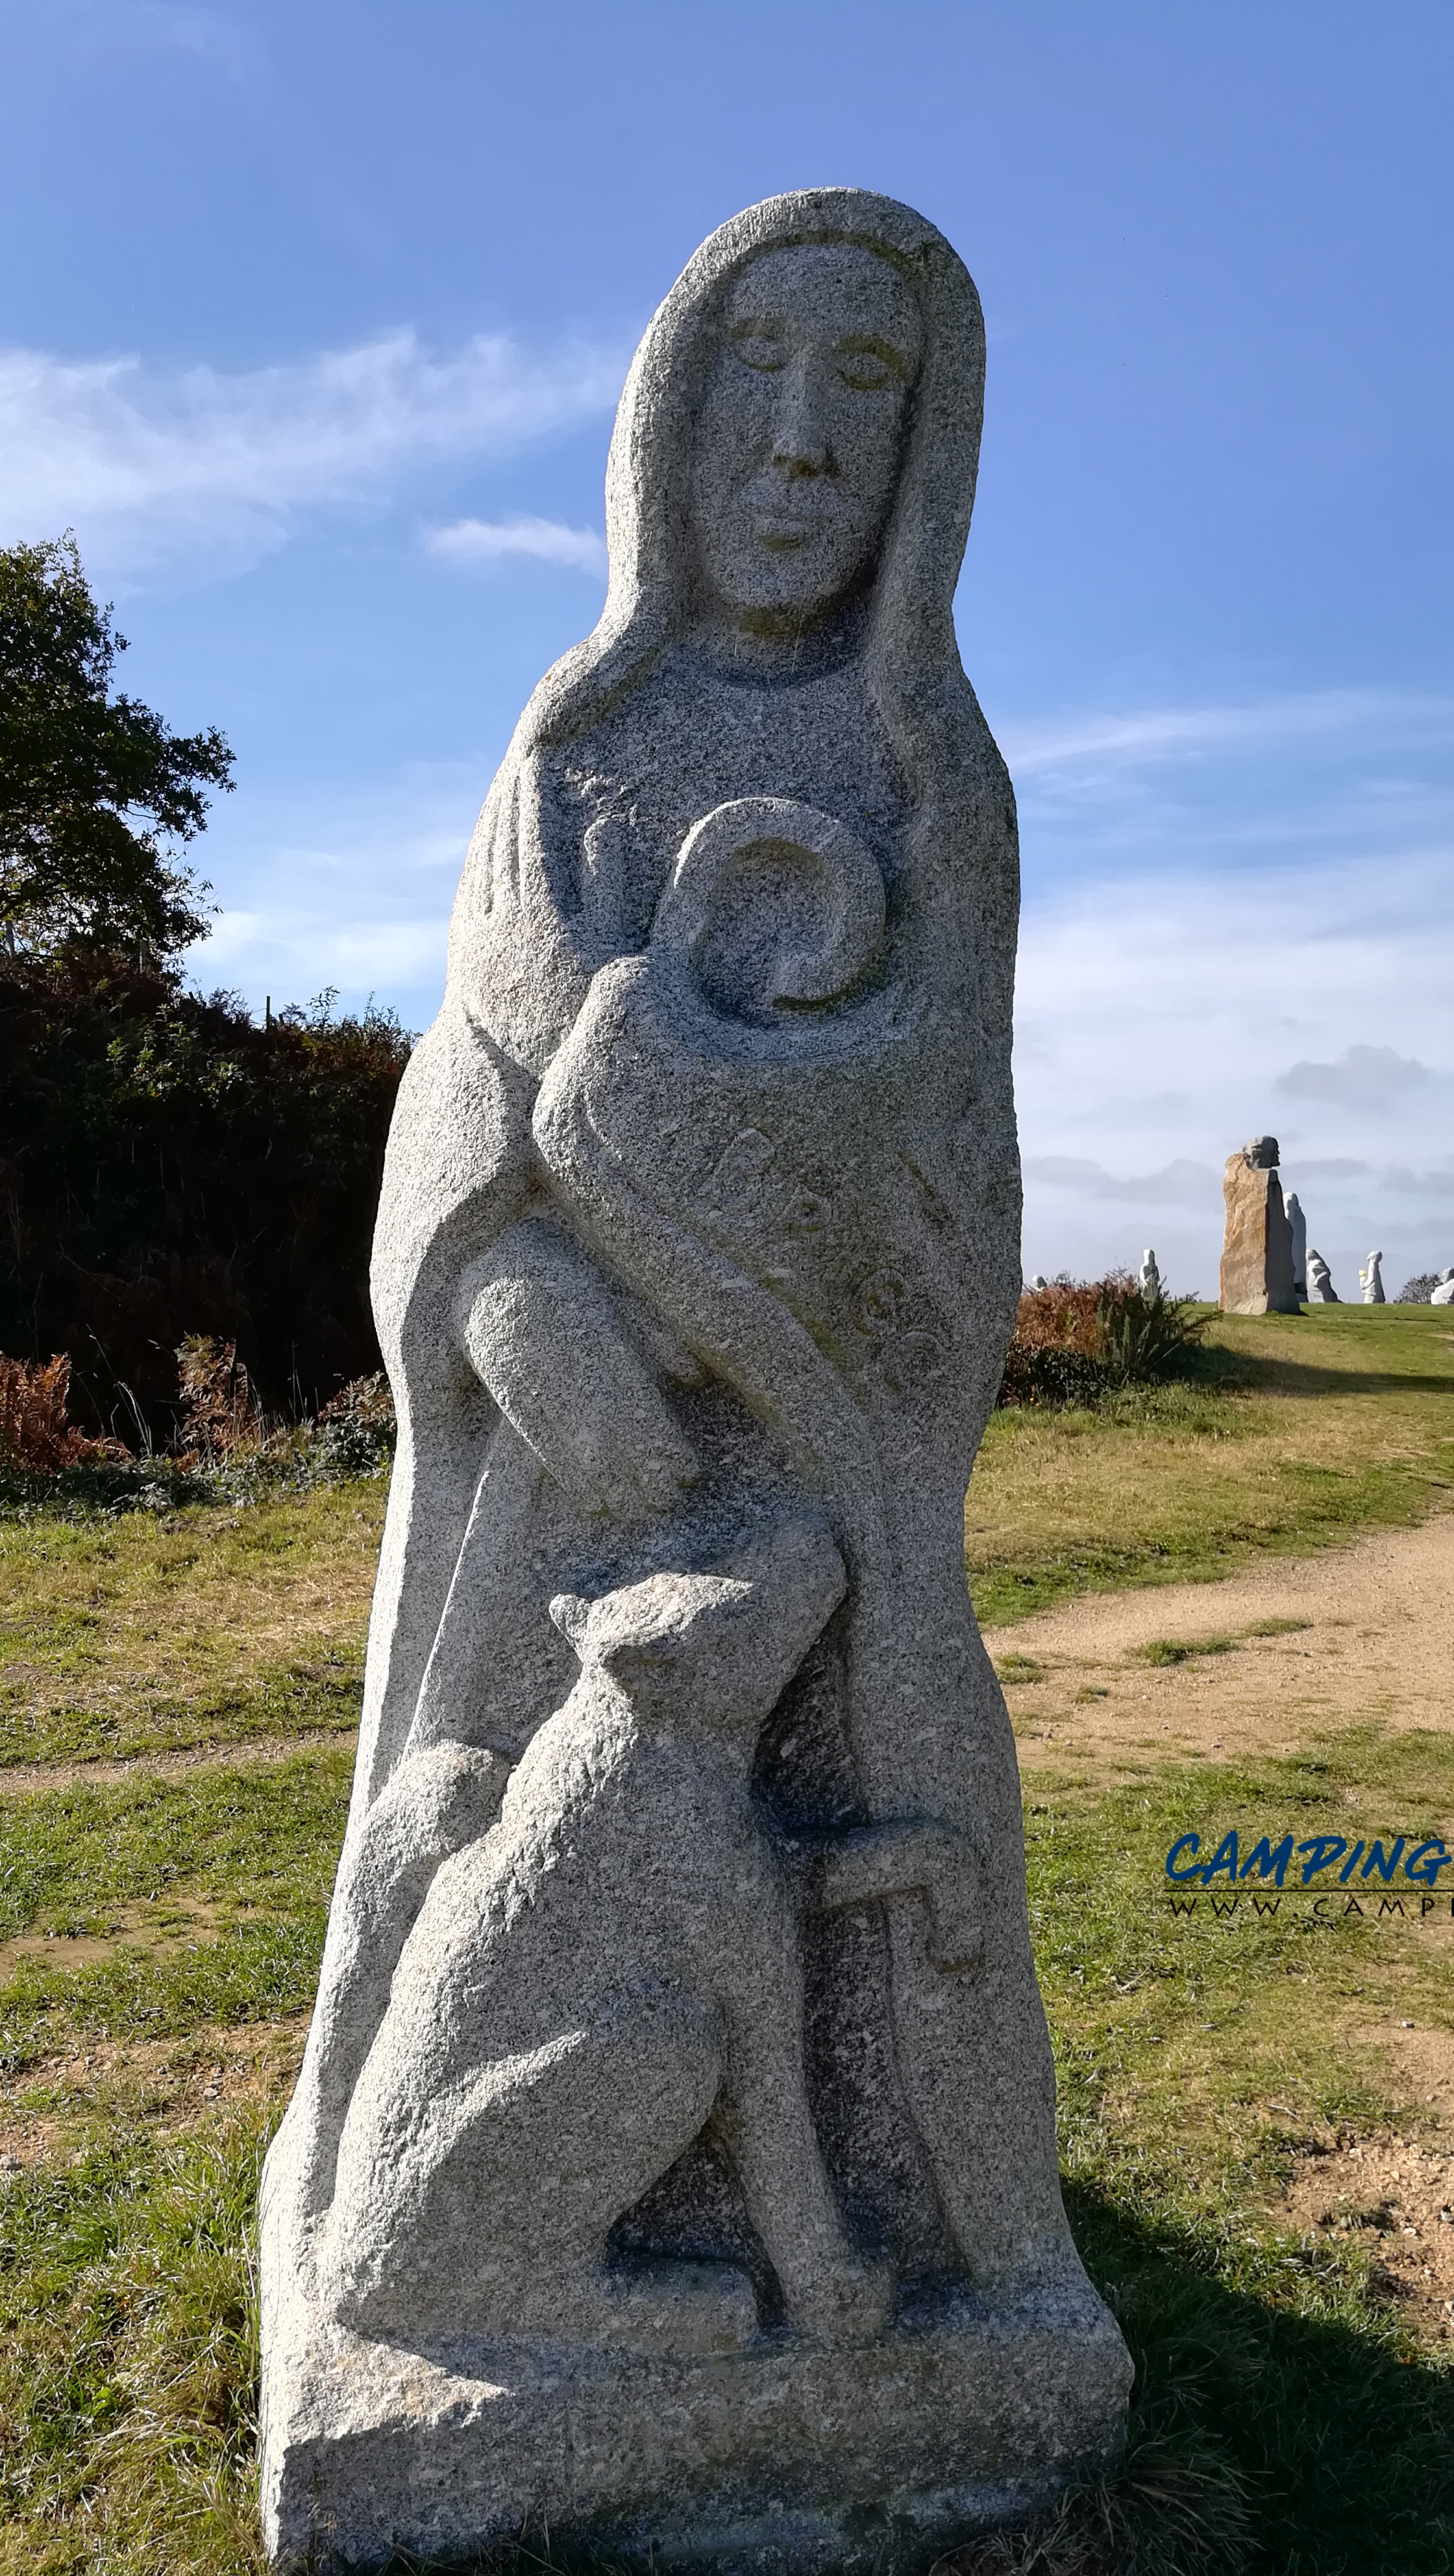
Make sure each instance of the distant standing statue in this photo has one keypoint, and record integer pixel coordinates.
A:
(1321, 1291)
(1371, 1281)
(1257, 1272)
(1443, 1295)
(673, 2161)
(1150, 1276)
(1298, 1226)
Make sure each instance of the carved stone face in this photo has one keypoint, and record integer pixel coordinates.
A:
(801, 432)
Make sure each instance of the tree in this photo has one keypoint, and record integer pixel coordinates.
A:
(167, 1167)
(96, 794)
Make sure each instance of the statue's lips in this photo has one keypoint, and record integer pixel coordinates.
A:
(797, 523)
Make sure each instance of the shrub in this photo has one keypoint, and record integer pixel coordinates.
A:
(1139, 1338)
(220, 1418)
(1076, 1338)
(1418, 1291)
(1049, 1373)
(225, 1437)
(356, 1428)
(1061, 1316)
(35, 1436)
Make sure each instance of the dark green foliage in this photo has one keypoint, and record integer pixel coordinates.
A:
(95, 793)
(1049, 1373)
(1139, 1338)
(168, 1168)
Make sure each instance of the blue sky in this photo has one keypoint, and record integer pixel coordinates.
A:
(312, 327)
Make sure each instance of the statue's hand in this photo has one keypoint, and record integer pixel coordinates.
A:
(546, 1335)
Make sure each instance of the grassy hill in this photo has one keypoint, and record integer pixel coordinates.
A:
(1296, 1431)
(177, 1690)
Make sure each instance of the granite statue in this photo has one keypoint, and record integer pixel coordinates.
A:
(1257, 1271)
(1150, 1276)
(1443, 1295)
(1370, 1280)
(1298, 1228)
(672, 2164)
(1321, 1291)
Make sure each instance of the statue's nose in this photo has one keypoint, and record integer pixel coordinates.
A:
(800, 438)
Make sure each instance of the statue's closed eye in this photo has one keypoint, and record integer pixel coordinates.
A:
(763, 349)
(867, 365)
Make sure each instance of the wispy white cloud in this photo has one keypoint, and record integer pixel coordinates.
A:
(1153, 734)
(491, 541)
(149, 467)
(344, 886)
(213, 36)
(1131, 984)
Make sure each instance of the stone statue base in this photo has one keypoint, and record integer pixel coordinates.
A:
(780, 2458)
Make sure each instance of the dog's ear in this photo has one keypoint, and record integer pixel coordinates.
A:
(571, 1615)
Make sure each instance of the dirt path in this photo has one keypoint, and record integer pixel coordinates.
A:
(23, 1779)
(1358, 1632)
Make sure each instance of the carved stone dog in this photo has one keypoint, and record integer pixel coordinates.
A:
(614, 1960)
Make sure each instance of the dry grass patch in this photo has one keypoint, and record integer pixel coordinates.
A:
(208, 2075)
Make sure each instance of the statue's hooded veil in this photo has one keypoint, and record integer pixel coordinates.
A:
(448, 1184)
(930, 715)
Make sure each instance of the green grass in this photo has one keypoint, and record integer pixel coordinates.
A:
(190, 1902)
(1288, 2420)
(1295, 1432)
(1283, 2412)
(128, 2359)
(1191, 2016)
(1019, 1668)
(1195, 2057)
(1172, 1650)
(203, 1626)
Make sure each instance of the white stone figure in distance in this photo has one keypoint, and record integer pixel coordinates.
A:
(678, 2000)
(1039, 1280)
(1299, 1227)
(1443, 1295)
(1370, 1280)
(1321, 1291)
(1150, 1276)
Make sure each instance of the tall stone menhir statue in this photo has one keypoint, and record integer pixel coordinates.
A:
(1257, 1246)
(673, 2161)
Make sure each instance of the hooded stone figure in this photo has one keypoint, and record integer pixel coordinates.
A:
(700, 1215)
